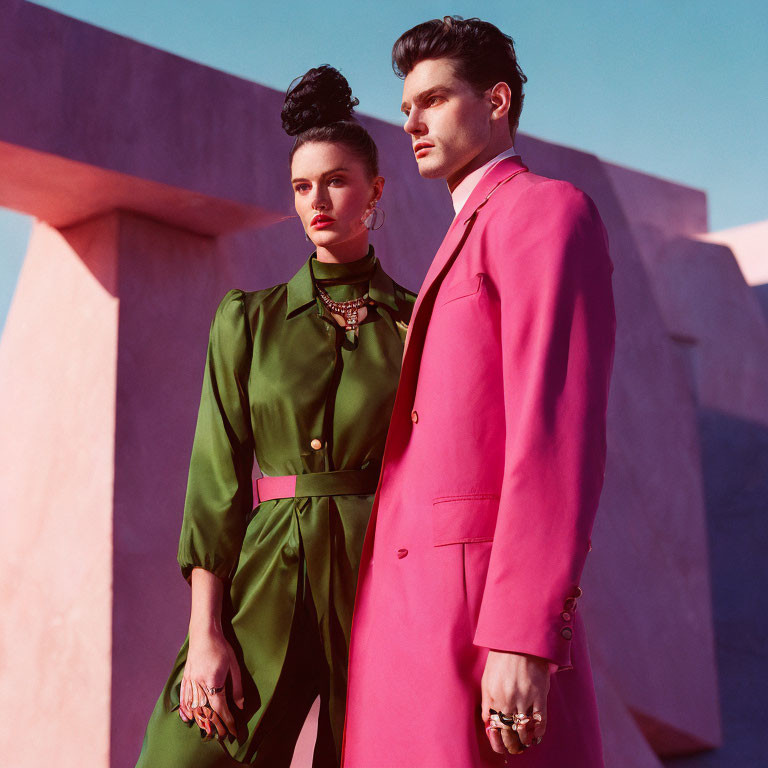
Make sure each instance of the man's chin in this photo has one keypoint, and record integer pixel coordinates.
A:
(429, 170)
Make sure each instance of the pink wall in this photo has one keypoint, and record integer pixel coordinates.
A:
(57, 453)
(160, 207)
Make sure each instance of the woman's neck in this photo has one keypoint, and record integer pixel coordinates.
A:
(341, 253)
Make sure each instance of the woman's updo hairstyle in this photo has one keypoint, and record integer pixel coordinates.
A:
(319, 107)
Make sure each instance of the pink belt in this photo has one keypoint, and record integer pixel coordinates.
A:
(342, 482)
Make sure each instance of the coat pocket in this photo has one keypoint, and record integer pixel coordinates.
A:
(460, 289)
(463, 519)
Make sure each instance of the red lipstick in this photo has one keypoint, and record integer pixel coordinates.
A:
(321, 221)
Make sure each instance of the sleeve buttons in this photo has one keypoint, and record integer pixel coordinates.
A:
(566, 632)
(565, 616)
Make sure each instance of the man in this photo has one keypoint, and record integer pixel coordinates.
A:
(466, 641)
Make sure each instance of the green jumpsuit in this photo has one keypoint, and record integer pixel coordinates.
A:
(285, 383)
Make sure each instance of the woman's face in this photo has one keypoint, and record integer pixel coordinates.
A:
(332, 193)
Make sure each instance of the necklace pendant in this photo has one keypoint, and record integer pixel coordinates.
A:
(346, 309)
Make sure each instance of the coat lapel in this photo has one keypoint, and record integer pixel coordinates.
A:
(422, 310)
(501, 172)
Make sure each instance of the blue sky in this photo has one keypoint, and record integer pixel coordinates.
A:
(670, 88)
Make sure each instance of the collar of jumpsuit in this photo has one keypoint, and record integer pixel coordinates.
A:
(342, 281)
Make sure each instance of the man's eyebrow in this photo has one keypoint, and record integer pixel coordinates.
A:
(425, 94)
(327, 173)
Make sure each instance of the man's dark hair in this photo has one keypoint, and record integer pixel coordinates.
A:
(483, 54)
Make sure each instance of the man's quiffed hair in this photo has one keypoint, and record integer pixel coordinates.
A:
(484, 55)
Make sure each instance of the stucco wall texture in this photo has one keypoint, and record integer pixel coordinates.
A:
(158, 184)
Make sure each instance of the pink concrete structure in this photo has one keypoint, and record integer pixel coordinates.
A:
(158, 184)
(56, 503)
(749, 244)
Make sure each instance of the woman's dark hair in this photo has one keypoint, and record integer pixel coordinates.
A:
(319, 107)
(483, 54)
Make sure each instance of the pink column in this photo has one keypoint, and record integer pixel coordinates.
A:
(58, 381)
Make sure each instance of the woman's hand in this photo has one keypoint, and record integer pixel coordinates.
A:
(515, 683)
(210, 661)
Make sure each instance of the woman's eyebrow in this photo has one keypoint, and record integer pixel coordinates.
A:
(327, 173)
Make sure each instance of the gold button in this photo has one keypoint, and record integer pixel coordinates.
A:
(316, 444)
(414, 416)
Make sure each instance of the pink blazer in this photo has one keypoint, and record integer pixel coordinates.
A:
(492, 472)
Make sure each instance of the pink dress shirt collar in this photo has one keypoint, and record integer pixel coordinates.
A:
(464, 188)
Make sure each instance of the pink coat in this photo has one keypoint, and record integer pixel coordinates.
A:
(492, 472)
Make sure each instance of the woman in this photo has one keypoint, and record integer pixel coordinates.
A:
(303, 375)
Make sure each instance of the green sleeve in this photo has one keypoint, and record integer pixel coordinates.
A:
(219, 493)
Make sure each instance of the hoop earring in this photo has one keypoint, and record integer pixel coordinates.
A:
(375, 219)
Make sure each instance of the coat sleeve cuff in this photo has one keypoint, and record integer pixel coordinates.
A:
(547, 634)
(556, 650)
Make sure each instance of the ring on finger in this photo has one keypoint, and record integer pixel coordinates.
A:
(498, 723)
(520, 718)
(513, 720)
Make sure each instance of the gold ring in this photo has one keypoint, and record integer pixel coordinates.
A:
(499, 724)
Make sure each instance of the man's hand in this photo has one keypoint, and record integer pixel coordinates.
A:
(515, 683)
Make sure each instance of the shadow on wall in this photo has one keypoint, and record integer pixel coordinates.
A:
(735, 470)
(761, 291)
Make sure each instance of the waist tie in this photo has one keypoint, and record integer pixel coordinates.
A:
(357, 482)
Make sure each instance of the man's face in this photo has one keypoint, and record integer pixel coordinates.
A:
(448, 122)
